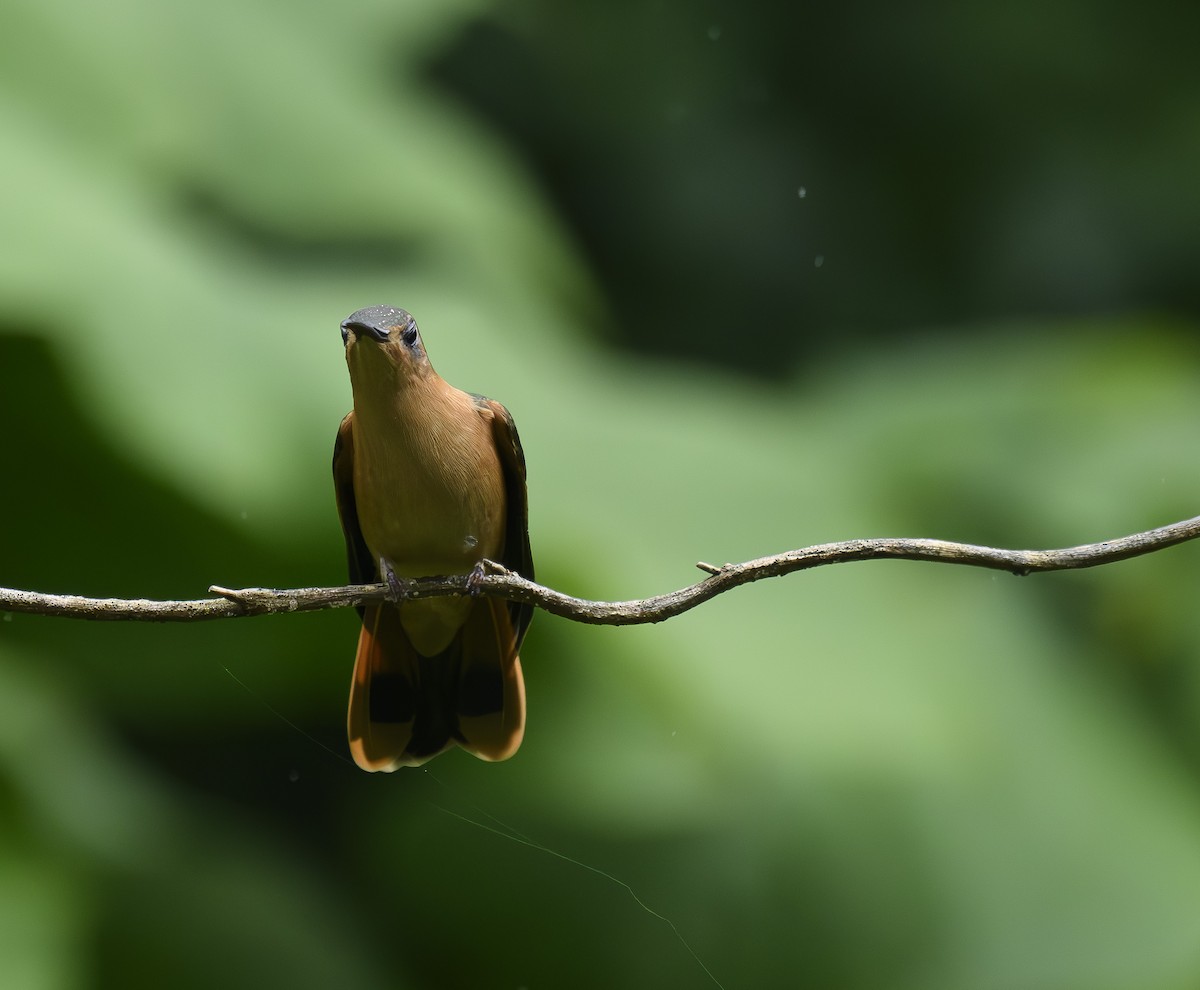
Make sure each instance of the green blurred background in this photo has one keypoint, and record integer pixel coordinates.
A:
(749, 277)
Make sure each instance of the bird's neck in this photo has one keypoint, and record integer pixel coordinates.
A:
(408, 412)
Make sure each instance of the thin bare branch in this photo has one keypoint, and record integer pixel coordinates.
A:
(501, 584)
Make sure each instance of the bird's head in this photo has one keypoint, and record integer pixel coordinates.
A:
(382, 341)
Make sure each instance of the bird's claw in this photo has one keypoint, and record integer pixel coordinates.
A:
(475, 578)
(398, 588)
(482, 570)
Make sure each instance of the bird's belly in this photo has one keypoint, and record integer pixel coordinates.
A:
(426, 542)
(429, 514)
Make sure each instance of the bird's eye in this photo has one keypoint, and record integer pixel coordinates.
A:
(409, 335)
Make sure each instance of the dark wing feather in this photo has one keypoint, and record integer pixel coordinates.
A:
(517, 554)
(363, 569)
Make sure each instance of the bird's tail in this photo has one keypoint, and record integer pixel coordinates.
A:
(406, 708)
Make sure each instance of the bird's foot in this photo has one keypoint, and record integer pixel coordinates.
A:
(480, 571)
(398, 587)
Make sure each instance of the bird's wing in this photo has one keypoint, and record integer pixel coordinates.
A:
(517, 554)
(363, 570)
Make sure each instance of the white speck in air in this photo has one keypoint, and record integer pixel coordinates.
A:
(801, 192)
(818, 261)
